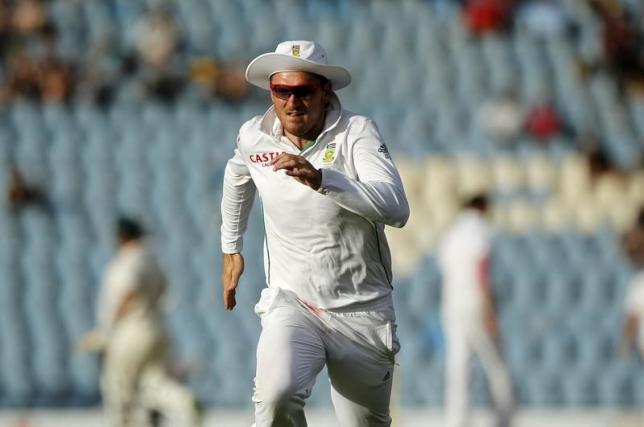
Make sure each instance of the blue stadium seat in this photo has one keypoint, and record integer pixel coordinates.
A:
(562, 293)
(597, 291)
(580, 387)
(16, 379)
(616, 385)
(497, 52)
(594, 350)
(559, 350)
(544, 388)
(528, 292)
(99, 19)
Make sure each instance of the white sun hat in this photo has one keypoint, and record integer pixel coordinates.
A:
(297, 55)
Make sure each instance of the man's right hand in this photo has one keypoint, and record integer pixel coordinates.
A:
(233, 267)
(90, 342)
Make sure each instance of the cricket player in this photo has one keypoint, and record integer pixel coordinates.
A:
(328, 186)
(468, 314)
(633, 242)
(131, 335)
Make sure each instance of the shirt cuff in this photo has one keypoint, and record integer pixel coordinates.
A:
(330, 180)
(231, 247)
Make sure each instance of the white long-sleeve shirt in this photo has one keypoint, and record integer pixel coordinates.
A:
(464, 246)
(133, 269)
(326, 246)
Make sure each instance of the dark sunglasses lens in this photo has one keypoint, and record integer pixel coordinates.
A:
(303, 92)
(298, 92)
(282, 92)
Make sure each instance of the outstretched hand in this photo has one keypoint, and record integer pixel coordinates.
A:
(233, 267)
(91, 342)
(299, 168)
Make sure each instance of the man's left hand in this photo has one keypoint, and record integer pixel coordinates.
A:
(299, 168)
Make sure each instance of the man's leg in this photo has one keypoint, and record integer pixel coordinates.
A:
(161, 392)
(290, 354)
(361, 392)
(457, 359)
(498, 378)
(118, 395)
(126, 355)
(361, 379)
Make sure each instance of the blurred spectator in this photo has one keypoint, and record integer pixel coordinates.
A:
(28, 17)
(501, 118)
(231, 84)
(157, 39)
(622, 40)
(225, 81)
(5, 30)
(484, 16)
(21, 193)
(542, 18)
(156, 47)
(21, 79)
(543, 121)
(165, 87)
(599, 164)
(39, 76)
(204, 72)
(48, 79)
(104, 72)
(56, 78)
(56, 81)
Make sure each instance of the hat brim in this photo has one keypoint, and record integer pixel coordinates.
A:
(260, 70)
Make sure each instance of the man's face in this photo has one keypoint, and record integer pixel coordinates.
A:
(300, 102)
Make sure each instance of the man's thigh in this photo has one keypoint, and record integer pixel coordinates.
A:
(290, 353)
(361, 381)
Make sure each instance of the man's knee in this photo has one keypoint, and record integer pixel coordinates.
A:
(276, 395)
(279, 403)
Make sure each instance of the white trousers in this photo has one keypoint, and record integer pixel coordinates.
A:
(135, 376)
(463, 340)
(295, 344)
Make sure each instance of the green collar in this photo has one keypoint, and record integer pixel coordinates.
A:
(307, 145)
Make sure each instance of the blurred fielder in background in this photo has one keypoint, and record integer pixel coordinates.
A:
(133, 339)
(328, 187)
(634, 324)
(469, 316)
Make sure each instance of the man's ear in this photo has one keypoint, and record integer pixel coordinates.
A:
(327, 91)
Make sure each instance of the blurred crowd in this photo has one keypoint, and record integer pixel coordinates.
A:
(504, 117)
(31, 66)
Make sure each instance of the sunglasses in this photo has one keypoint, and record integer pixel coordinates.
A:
(304, 92)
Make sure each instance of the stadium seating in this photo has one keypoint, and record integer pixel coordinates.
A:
(558, 271)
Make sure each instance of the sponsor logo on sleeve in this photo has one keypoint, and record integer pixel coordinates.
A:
(383, 149)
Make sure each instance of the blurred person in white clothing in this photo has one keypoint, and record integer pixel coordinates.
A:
(633, 242)
(469, 316)
(501, 117)
(133, 339)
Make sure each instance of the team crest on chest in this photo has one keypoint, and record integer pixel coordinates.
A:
(329, 153)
